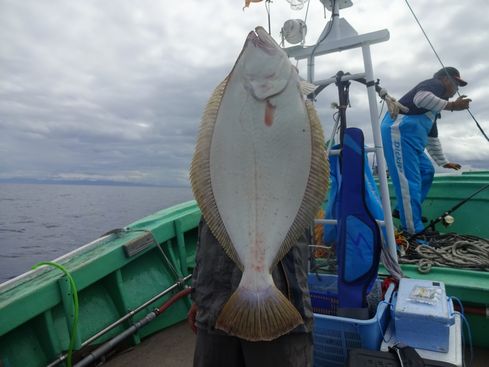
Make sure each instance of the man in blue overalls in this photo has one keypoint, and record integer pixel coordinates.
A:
(406, 136)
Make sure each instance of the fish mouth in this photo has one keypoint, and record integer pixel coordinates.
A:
(261, 39)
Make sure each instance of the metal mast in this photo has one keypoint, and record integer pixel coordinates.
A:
(338, 35)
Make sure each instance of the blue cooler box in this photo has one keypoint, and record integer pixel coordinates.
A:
(423, 315)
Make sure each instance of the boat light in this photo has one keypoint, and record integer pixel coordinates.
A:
(294, 31)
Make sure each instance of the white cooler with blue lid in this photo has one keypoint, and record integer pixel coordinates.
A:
(423, 314)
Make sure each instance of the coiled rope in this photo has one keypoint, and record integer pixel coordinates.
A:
(448, 250)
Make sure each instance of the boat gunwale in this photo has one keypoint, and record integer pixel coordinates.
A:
(47, 294)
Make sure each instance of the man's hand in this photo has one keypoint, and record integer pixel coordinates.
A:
(461, 103)
(192, 313)
(454, 166)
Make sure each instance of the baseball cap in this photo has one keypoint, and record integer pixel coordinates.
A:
(453, 73)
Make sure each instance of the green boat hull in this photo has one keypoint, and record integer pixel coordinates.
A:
(114, 275)
(36, 309)
(447, 191)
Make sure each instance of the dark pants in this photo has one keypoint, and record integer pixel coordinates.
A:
(215, 350)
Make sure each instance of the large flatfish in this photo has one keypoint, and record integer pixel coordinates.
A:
(259, 174)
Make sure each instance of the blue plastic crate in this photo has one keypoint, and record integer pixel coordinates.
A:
(334, 336)
(324, 294)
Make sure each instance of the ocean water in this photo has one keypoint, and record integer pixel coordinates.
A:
(40, 222)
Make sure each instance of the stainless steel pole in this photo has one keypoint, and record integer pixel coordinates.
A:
(379, 151)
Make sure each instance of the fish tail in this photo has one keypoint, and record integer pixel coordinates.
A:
(256, 316)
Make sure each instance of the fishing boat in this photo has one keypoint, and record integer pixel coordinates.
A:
(131, 285)
(123, 276)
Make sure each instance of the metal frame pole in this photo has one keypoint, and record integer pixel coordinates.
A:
(310, 69)
(379, 151)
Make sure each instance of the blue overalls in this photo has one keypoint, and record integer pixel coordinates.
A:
(410, 169)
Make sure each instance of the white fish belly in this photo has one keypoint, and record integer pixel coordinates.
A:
(259, 172)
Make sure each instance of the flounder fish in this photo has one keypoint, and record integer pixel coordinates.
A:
(259, 173)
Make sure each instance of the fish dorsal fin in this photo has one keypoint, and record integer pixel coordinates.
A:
(200, 174)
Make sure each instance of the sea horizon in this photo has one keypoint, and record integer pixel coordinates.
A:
(82, 182)
(41, 222)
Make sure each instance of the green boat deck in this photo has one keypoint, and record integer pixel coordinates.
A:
(175, 346)
(117, 273)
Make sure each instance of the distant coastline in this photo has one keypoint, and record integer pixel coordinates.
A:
(79, 182)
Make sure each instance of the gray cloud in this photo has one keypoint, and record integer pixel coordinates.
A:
(116, 90)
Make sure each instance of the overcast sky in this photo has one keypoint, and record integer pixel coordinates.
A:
(115, 89)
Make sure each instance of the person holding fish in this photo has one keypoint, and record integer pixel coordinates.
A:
(406, 136)
(215, 278)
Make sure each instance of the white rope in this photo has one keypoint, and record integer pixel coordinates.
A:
(464, 252)
(393, 104)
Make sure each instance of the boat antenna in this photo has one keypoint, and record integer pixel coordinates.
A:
(267, 7)
(307, 12)
(443, 66)
(334, 13)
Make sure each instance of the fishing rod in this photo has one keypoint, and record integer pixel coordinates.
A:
(443, 66)
(442, 217)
